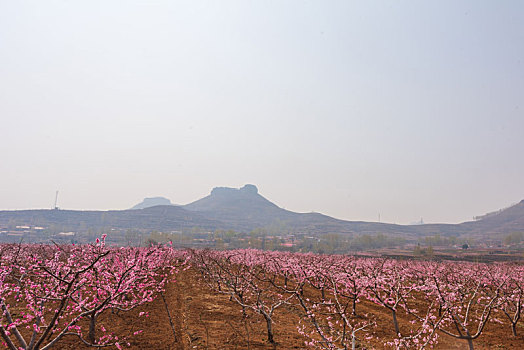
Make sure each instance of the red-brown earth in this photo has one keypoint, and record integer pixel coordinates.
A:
(204, 319)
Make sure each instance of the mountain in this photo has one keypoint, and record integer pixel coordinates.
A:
(490, 226)
(163, 217)
(152, 202)
(504, 221)
(244, 210)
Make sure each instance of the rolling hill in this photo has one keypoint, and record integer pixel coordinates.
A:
(164, 217)
(244, 209)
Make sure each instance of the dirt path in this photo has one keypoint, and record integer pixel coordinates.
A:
(177, 314)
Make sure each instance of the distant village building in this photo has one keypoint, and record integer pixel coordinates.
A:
(67, 233)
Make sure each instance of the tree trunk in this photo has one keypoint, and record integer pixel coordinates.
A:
(92, 328)
(470, 343)
(516, 319)
(269, 329)
(395, 322)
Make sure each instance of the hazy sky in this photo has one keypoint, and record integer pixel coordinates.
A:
(409, 109)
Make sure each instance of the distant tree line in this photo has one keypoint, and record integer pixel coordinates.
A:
(514, 238)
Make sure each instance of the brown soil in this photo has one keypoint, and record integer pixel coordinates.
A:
(204, 319)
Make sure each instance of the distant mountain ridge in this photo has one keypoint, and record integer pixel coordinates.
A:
(244, 209)
(161, 217)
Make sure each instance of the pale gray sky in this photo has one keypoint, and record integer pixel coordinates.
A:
(409, 109)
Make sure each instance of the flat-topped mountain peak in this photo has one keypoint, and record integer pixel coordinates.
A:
(240, 200)
(246, 189)
(152, 202)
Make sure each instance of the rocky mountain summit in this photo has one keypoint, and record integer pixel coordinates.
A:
(152, 202)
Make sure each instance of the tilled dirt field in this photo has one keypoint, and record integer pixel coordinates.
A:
(204, 319)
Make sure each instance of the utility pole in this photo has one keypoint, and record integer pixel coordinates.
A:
(56, 201)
